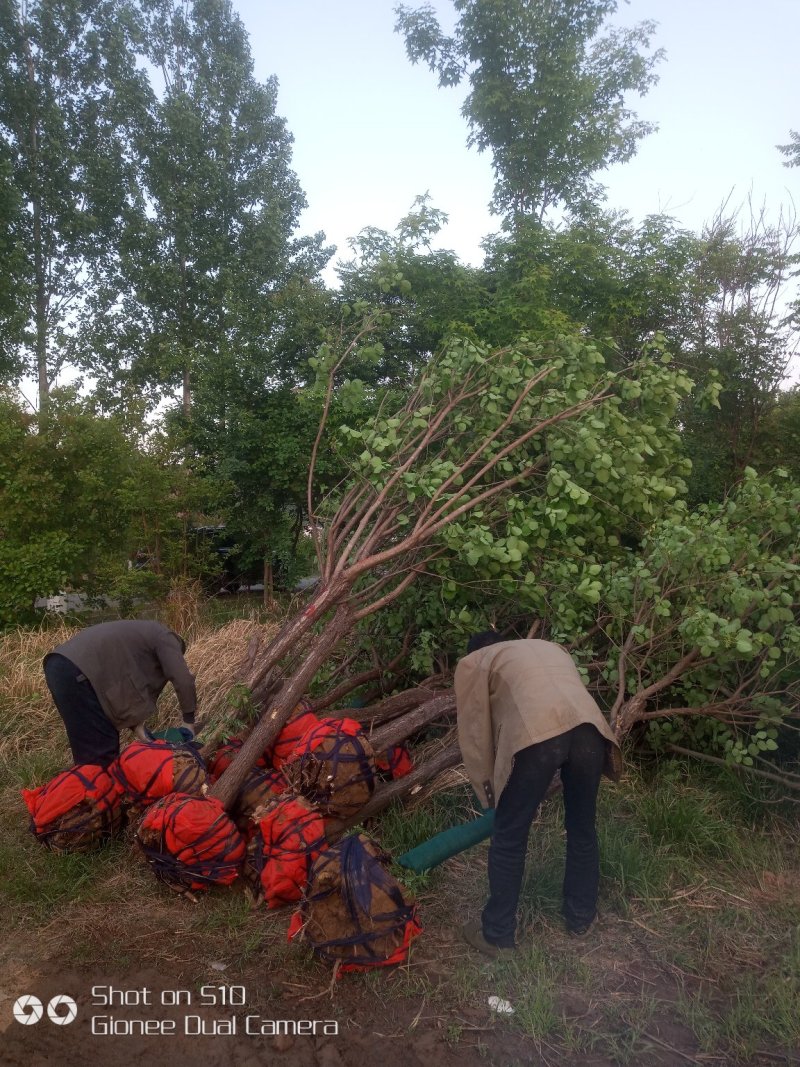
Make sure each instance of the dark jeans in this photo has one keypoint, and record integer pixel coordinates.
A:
(579, 754)
(93, 738)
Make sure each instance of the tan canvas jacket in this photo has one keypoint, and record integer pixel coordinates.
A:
(128, 663)
(515, 694)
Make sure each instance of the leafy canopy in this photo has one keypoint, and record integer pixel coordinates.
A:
(547, 90)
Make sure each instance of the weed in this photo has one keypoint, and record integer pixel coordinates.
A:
(687, 823)
(453, 1033)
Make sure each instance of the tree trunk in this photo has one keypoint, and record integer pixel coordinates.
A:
(288, 638)
(186, 399)
(40, 280)
(269, 588)
(272, 721)
(403, 727)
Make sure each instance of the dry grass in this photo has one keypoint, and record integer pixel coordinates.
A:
(444, 782)
(28, 713)
(29, 717)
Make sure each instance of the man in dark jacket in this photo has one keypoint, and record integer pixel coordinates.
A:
(108, 678)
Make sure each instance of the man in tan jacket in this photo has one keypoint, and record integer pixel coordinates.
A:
(523, 714)
(108, 678)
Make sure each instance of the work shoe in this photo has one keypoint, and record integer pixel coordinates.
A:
(472, 932)
(580, 931)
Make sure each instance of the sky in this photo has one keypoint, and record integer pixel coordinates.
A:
(371, 131)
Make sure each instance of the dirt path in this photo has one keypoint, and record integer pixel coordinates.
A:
(176, 1015)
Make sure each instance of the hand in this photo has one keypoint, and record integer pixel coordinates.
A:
(189, 727)
(141, 733)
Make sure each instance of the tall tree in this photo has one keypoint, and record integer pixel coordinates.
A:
(548, 85)
(69, 85)
(425, 292)
(14, 289)
(198, 305)
(741, 331)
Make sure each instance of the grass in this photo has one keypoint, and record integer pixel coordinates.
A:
(697, 952)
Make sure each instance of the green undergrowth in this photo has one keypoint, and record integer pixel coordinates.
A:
(699, 922)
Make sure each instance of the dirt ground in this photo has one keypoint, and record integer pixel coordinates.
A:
(379, 1018)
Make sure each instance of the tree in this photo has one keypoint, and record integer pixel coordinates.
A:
(198, 304)
(14, 291)
(740, 333)
(426, 293)
(599, 271)
(69, 86)
(547, 91)
(602, 480)
(259, 474)
(697, 633)
(778, 442)
(440, 475)
(90, 503)
(68, 497)
(718, 297)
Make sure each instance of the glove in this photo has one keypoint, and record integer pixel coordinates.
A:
(141, 733)
(188, 730)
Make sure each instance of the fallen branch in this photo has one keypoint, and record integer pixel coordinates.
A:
(789, 783)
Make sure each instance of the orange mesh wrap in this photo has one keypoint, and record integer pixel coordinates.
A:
(292, 734)
(224, 756)
(149, 770)
(395, 762)
(290, 836)
(77, 809)
(191, 842)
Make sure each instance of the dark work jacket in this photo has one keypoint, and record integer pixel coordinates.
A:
(128, 663)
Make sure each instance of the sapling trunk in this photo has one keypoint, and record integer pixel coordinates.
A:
(394, 706)
(404, 726)
(272, 721)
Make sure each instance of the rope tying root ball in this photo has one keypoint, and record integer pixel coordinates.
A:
(76, 811)
(190, 842)
(354, 911)
(334, 767)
